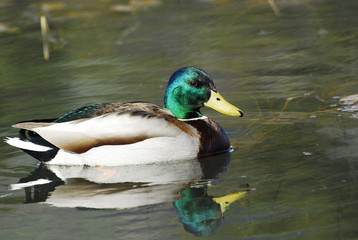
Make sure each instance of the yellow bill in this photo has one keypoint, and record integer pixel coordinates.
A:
(226, 200)
(218, 103)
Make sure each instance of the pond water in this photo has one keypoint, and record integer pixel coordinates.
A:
(287, 64)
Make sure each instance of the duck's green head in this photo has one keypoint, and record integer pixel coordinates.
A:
(191, 88)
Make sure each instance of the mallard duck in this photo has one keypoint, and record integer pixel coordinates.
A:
(121, 133)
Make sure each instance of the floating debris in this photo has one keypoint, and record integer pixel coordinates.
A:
(145, 3)
(322, 31)
(353, 108)
(135, 4)
(349, 100)
(307, 153)
(350, 104)
(122, 8)
(47, 7)
(4, 28)
(262, 33)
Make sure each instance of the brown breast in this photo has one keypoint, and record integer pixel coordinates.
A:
(213, 139)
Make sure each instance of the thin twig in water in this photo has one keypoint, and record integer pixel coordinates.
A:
(45, 30)
(274, 7)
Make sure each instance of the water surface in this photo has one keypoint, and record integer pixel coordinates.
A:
(288, 65)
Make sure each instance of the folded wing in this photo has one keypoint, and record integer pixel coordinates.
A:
(127, 127)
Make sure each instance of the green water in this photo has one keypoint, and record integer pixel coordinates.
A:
(287, 66)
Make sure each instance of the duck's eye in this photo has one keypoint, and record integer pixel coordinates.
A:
(193, 83)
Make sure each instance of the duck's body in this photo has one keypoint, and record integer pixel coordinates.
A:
(133, 133)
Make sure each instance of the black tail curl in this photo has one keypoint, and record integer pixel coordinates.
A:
(31, 136)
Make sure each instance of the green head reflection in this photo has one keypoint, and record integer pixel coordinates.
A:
(202, 214)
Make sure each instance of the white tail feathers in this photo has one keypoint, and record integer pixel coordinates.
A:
(17, 142)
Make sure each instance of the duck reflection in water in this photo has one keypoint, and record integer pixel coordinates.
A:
(134, 186)
(200, 213)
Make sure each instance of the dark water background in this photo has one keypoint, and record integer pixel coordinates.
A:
(288, 64)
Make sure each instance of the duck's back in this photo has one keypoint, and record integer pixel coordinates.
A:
(96, 110)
